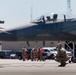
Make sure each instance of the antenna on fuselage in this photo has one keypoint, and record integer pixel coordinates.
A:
(69, 10)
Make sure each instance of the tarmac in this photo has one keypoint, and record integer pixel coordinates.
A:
(48, 67)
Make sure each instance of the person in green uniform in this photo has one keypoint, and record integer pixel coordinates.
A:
(61, 55)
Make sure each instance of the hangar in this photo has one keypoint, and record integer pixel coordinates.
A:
(16, 46)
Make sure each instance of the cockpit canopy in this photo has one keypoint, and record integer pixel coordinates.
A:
(52, 17)
(46, 18)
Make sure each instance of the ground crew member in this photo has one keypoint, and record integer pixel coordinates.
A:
(61, 55)
(24, 54)
(34, 54)
(42, 54)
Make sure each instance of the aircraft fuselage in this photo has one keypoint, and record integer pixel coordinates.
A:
(42, 31)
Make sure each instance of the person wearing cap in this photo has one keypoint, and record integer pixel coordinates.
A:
(61, 55)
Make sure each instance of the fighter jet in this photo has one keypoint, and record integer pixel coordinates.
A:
(44, 28)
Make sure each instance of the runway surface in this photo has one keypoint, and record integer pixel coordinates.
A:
(48, 67)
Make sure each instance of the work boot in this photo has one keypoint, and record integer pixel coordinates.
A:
(62, 64)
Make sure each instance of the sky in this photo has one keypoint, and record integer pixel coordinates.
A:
(18, 12)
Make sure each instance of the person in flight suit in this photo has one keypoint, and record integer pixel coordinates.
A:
(61, 55)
